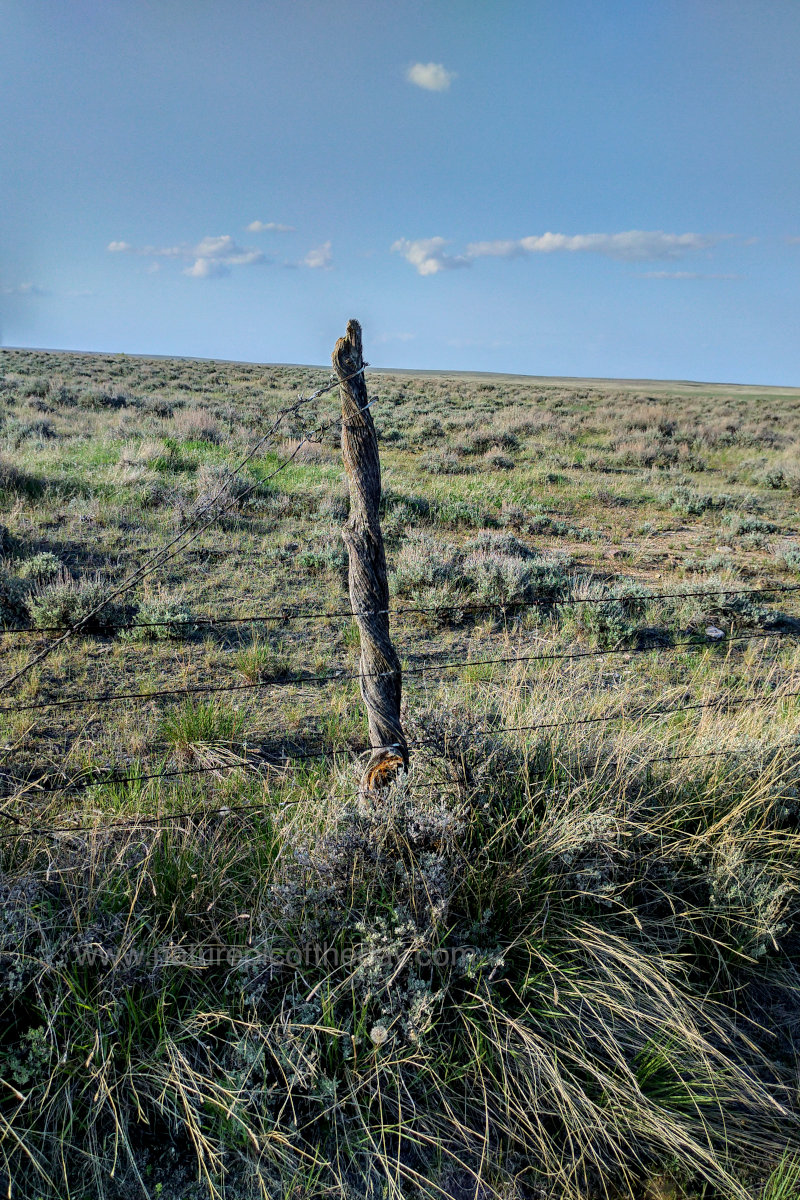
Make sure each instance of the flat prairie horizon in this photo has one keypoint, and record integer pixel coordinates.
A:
(598, 381)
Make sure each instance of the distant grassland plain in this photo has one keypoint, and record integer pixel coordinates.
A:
(560, 956)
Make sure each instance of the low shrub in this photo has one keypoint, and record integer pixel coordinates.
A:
(8, 543)
(38, 429)
(218, 485)
(606, 617)
(496, 460)
(481, 441)
(692, 503)
(163, 616)
(423, 562)
(493, 569)
(740, 524)
(317, 558)
(67, 601)
(444, 462)
(37, 386)
(728, 610)
(453, 513)
(713, 563)
(196, 425)
(410, 507)
(40, 568)
(782, 476)
(99, 397)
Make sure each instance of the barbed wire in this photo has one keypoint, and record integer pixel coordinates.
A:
(75, 784)
(204, 812)
(346, 747)
(201, 811)
(162, 555)
(345, 677)
(720, 703)
(288, 614)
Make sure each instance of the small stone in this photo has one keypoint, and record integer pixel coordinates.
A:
(713, 632)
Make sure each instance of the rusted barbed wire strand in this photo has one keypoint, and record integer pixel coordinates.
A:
(162, 556)
(346, 747)
(345, 677)
(510, 606)
(203, 811)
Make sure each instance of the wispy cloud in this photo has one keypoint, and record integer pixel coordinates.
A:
(269, 227)
(207, 259)
(428, 255)
(433, 77)
(632, 245)
(320, 258)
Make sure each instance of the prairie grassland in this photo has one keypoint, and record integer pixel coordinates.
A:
(559, 958)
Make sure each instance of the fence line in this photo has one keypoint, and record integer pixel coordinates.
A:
(162, 556)
(512, 606)
(205, 515)
(200, 811)
(719, 703)
(344, 677)
(203, 811)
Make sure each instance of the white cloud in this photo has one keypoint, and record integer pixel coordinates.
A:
(428, 255)
(209, 258)
(499, 249)
(320, 258)
(269, 227)
(216, 255)
(433, 77)
(632, 246)
(207, 268)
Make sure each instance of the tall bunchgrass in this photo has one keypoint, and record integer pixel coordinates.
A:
(558, 962)
(204, 733)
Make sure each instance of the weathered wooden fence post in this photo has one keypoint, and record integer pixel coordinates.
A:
(381, 683)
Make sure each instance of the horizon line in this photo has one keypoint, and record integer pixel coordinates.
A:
(554, 379)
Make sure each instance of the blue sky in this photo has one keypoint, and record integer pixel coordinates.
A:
(559, 188)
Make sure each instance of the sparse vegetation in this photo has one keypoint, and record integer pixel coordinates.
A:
(555, 961)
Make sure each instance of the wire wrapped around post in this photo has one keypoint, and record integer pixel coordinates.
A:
(381, 682)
